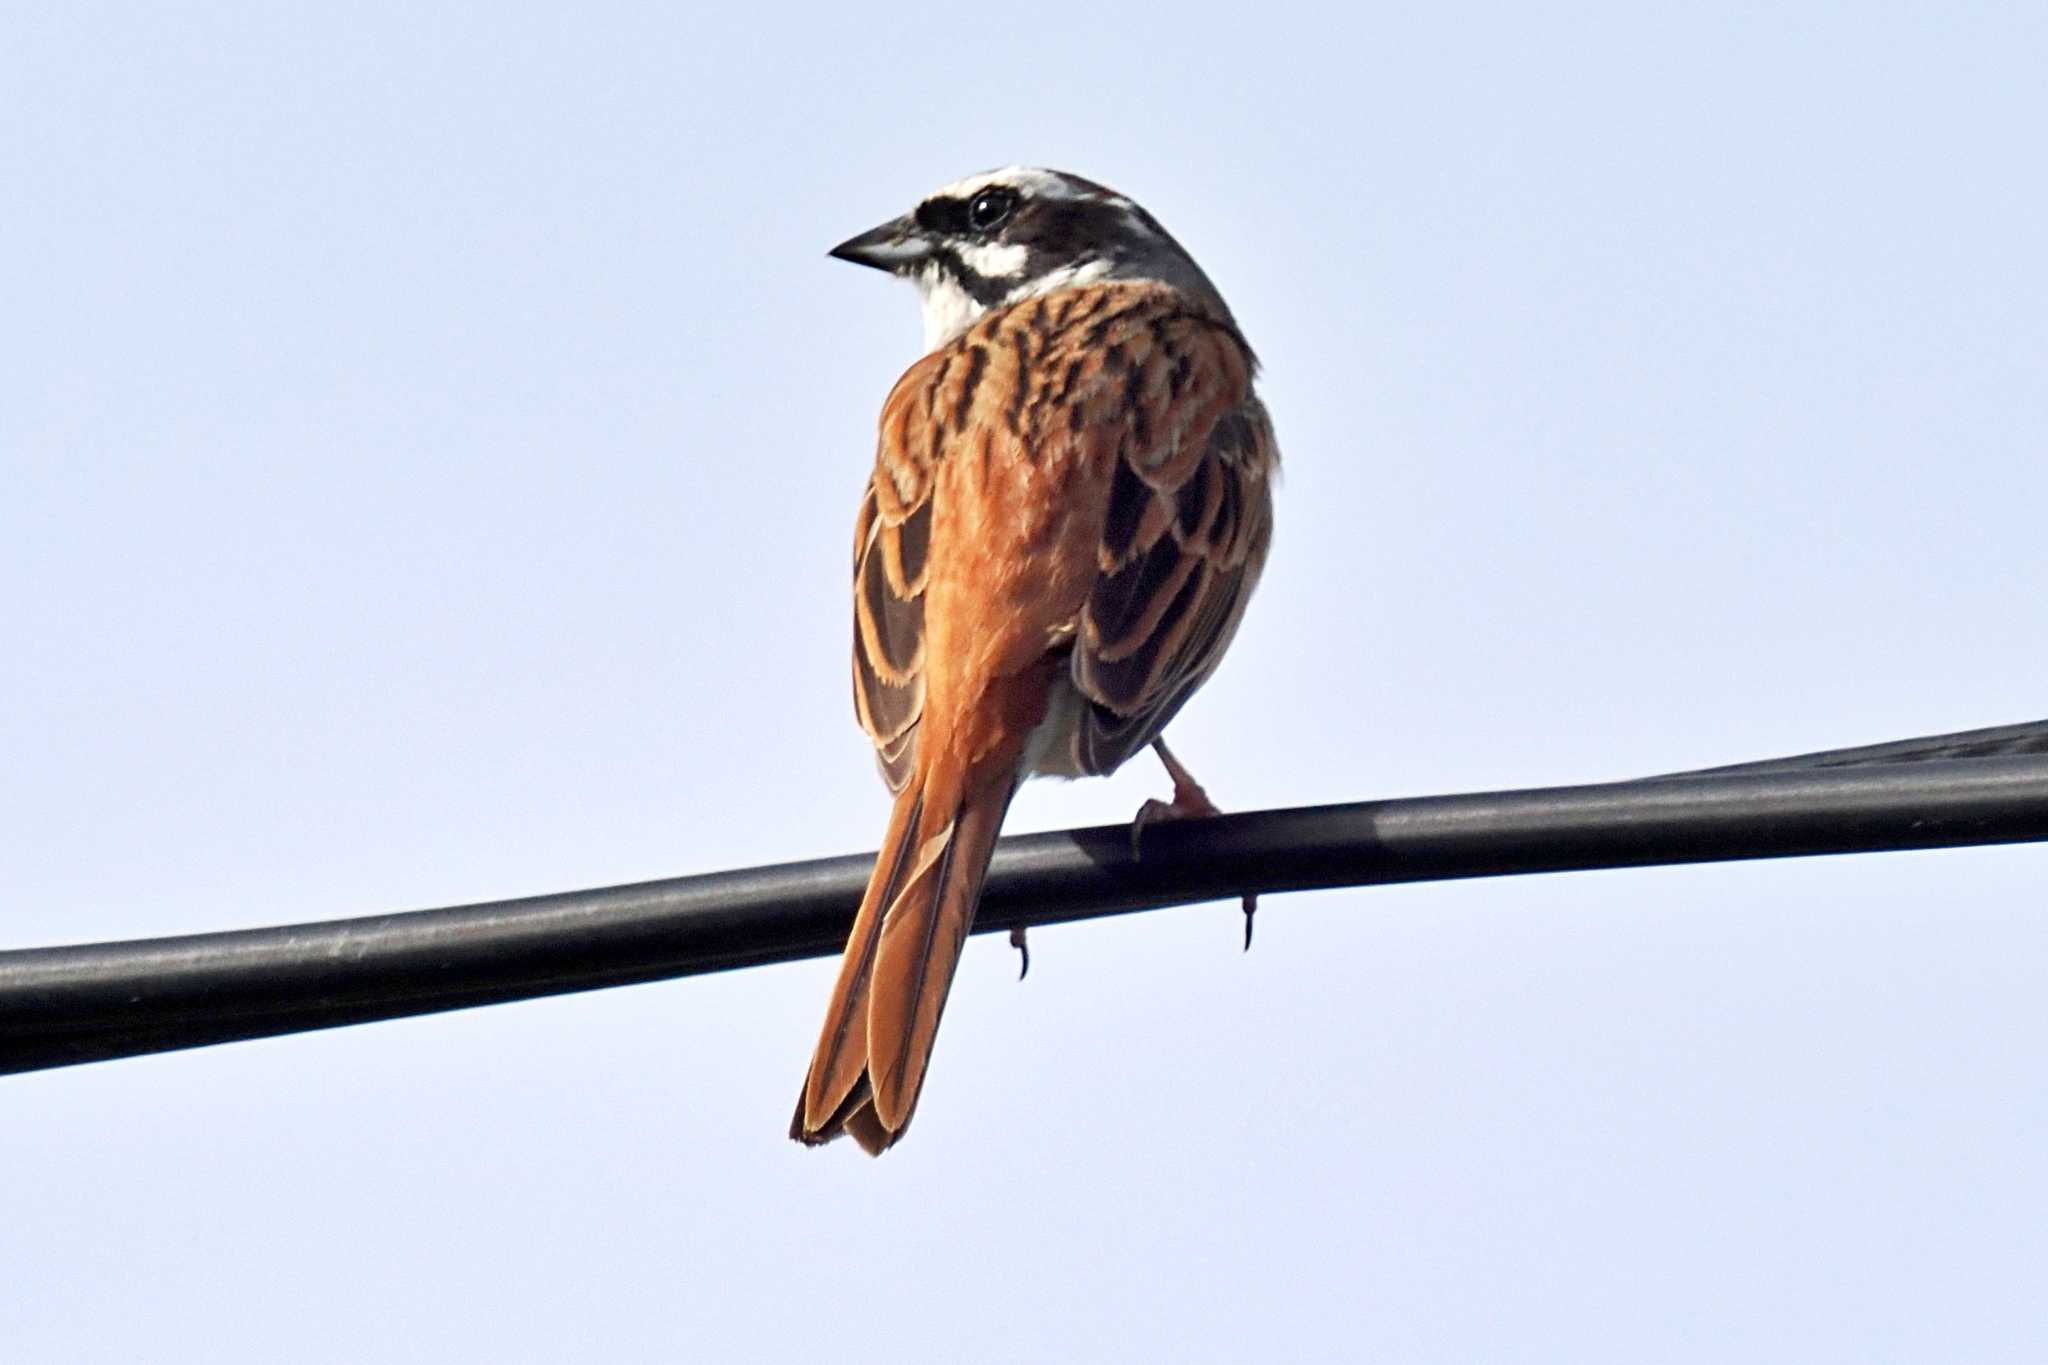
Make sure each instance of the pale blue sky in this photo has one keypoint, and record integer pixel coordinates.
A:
(431, 437)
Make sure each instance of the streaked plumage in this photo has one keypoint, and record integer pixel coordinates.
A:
(1069, 509)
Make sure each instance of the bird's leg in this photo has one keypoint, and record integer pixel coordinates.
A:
(1189, 801)
(1023, 951)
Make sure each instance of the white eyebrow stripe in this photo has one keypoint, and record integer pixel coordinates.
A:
(1031, 180)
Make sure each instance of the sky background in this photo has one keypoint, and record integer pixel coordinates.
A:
(429, 444)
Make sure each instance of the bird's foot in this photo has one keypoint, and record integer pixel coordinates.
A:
(1189, 802)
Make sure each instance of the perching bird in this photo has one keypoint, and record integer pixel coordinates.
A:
(1069, 508)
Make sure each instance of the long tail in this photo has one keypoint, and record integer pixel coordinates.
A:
(900, 959)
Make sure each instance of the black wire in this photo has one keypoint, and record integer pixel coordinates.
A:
(1995, 742)
(60, 1006)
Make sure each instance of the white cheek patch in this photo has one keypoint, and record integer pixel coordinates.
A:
(994, 260)
(948, 309)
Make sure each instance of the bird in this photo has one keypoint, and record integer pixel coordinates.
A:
(1070, 506)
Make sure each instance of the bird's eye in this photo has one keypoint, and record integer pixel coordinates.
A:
(990, 207)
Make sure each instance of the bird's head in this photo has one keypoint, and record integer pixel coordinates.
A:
(999, 238)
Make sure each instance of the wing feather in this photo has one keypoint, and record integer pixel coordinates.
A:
(1181, 551)
(890, 571)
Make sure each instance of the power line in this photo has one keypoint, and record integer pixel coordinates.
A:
(92, 1002)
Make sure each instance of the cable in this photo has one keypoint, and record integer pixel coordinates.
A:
(92, 1002)
(1993, 742)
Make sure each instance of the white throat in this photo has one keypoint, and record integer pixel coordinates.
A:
(949, 310)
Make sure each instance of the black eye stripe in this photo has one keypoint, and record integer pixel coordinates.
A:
(947, 216)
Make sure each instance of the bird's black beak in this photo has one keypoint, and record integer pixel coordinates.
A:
(897, 246)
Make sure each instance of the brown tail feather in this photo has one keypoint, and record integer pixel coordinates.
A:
(900, 959)
(839, 1066)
